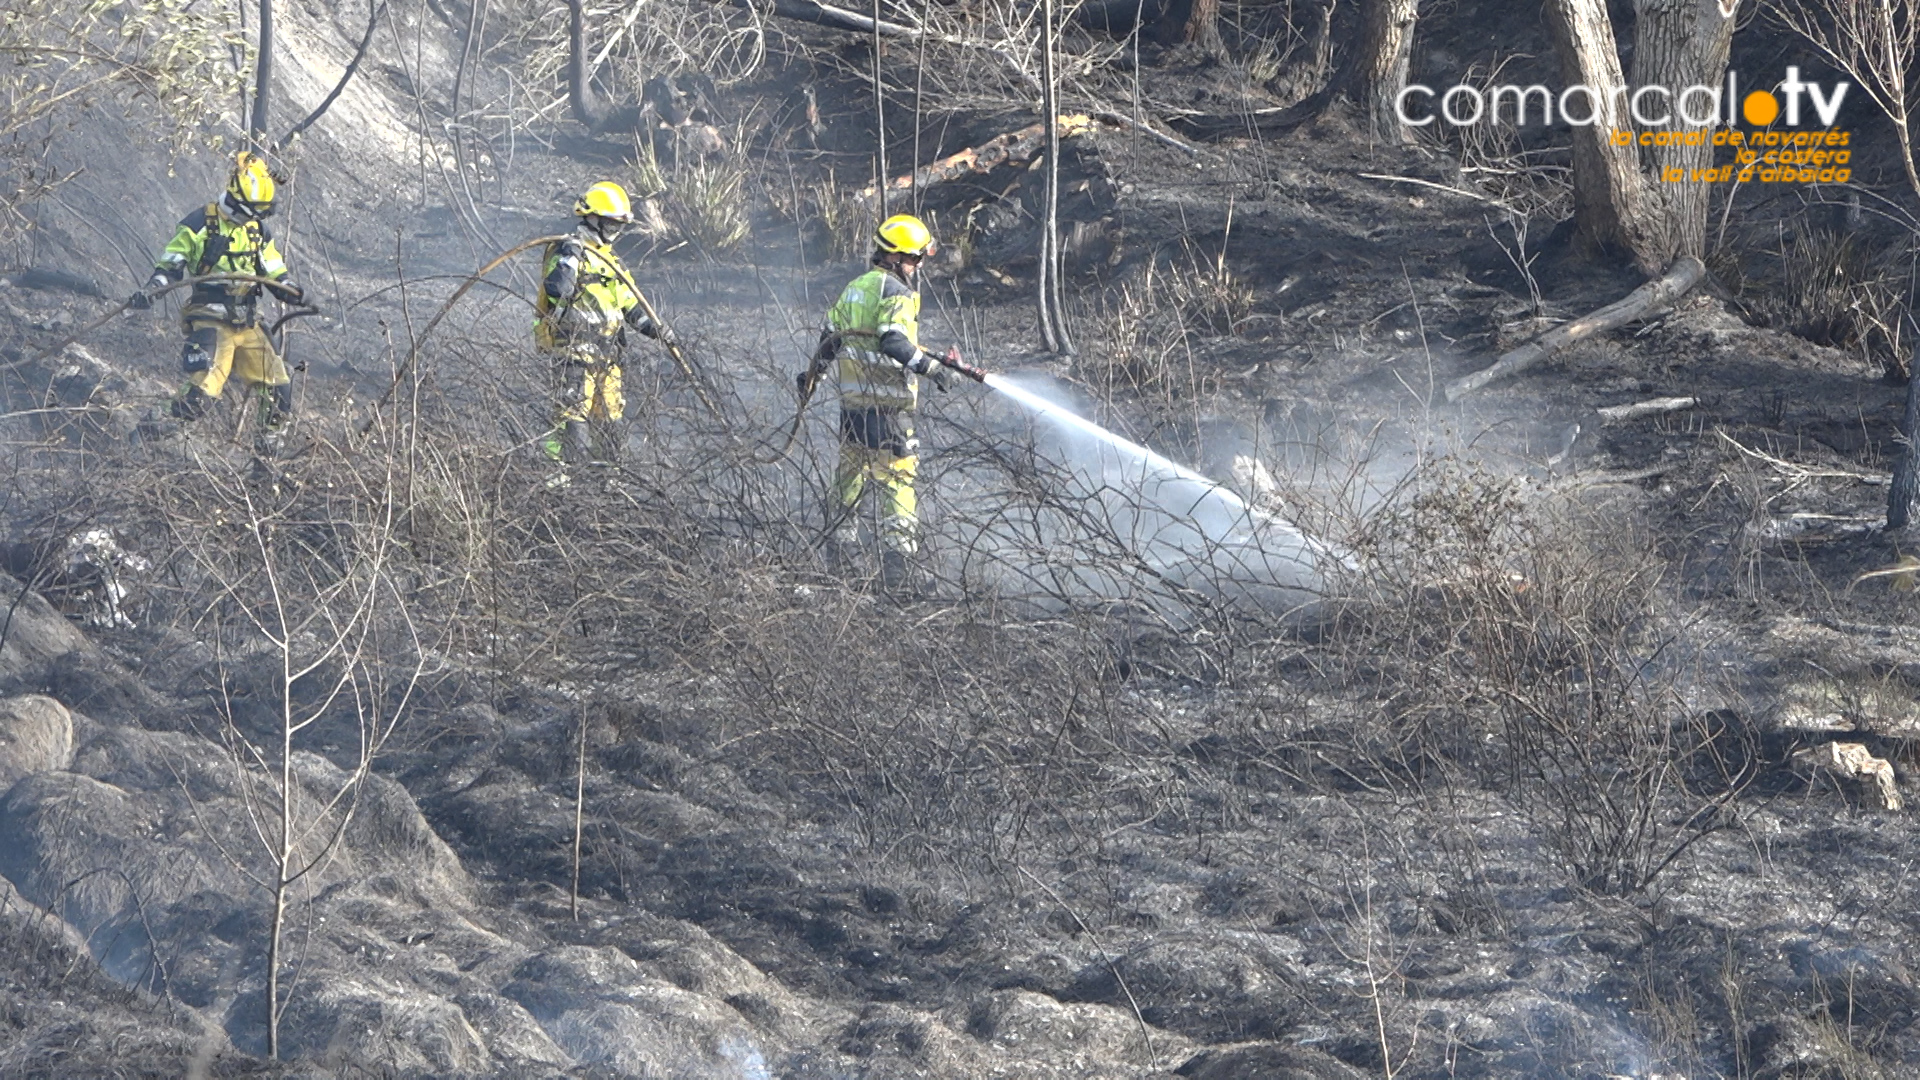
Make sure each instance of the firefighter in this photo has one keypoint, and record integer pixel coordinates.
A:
(221, 318)
(872, 338)
(587, 301)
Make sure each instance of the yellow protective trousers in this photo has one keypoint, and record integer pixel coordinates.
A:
(878, 445)
(216, 352)
(588, 390)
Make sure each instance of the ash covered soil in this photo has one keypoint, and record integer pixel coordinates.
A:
(832, 832)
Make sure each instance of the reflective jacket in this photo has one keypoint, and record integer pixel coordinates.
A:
(586, 293)
(209, 242)
(877, 320)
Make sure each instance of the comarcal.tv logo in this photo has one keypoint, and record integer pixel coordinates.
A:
(1795, 140)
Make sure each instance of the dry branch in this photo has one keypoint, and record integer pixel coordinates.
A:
(810, 11)
(1013, 146)
(1683, 275)
(1615, 414)
(353, 65)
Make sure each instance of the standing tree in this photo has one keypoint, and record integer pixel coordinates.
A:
(1619, 200)
(1372, 73)
(304, 594)
(1053, 314)
(1377, 70)
(262, 79)
(1190, 22)
(1903, 494)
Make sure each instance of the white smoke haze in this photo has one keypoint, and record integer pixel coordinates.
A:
(1074, 512)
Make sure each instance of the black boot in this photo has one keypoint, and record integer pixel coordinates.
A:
(894, 570)
(276, 407)
(190, 405)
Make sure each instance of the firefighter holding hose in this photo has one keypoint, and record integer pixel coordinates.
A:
(872, 340)
(587, 302)
(224, 337)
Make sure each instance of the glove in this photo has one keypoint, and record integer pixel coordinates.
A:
(574, 323)
(658, 331)
(942, 377)
(143, 299)
(289, 293)
(803, 382)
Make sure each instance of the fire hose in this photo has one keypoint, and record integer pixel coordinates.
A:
(153, 294)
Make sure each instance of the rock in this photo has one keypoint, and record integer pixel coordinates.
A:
(96, 574)
(1853, 761)
(1033, 1024)
(599, 1006)
(1266, 1061)
(350, 1023)
(36, 635)
(36, 735)
(1232, 987)
(510, 1030)
(1880, 706)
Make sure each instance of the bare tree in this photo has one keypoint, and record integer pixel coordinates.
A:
(262, 78)
(1904, 492)
(1874, 42)
(302, 583)
(593, 114)
(1619, 200)
(1053, 315)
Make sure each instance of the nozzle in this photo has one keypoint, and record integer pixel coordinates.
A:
(965, 368)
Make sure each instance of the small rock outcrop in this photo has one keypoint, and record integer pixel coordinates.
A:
(36, 735)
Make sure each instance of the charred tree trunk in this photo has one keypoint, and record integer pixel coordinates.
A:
(374, 8)
(262, 79)
(579, 92)
(588, 110)
(1377, 71)
(1168, 22)
(1613, 206)
(880, 174)
(1372, 73)
(1904, 492)
(1679, 43)
(1053, 315)
(1190, 22)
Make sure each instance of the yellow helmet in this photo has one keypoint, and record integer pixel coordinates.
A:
(250, 189)
(605, 199)
(904, 234)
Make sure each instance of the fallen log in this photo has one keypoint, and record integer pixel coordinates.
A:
(1253, 122)
(1854, 761)
(1683, 275)
(1120, 120)
(1019, 145)
(1618, 414)
(839, 18)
